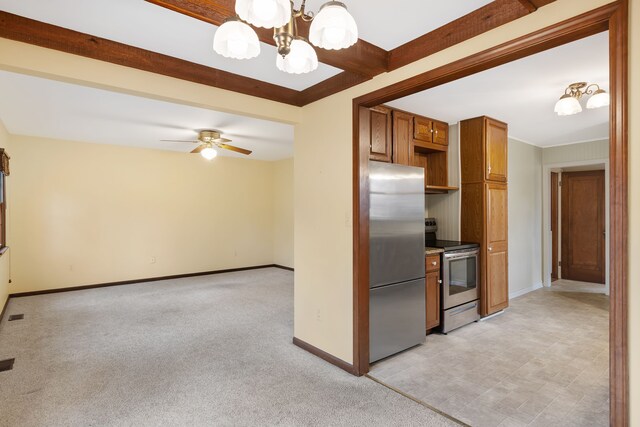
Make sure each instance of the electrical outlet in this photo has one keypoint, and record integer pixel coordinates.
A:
(318, 317)
(152, 260)
(71, 267)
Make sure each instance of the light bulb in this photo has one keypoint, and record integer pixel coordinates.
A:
(235, 39)
(209, 153)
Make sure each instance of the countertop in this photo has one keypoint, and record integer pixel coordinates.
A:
(433, 251)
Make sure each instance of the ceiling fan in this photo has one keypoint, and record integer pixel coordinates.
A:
(208, 139)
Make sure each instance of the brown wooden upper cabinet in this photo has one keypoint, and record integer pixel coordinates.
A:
(484, 141)
(496, 146)
(428, 130)
(380, 146)
(402, 138)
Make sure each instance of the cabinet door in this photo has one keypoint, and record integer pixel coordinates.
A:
(432, 295)
(440, 133)
(402, 138)
(380, 144)
(496, 292)
(423, 129)
(496, 157)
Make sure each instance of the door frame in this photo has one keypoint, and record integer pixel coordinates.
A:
(613, 17)
(546, 217)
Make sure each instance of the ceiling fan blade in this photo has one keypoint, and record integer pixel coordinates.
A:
(233, 148)
(176, 140)
(198, 149)
(221, 140)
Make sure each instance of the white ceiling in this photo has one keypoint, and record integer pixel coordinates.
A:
(523, 94)
(51, 109)
(142, 24)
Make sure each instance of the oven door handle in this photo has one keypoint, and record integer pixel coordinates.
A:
(460, 256)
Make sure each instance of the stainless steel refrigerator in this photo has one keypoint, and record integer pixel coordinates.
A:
(396, 259)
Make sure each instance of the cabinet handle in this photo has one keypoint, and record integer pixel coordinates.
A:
(433, 263)
(440, 281)
(489, 169)
(490, 248)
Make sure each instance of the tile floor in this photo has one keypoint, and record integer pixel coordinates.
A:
(575, 286)
(543, 362)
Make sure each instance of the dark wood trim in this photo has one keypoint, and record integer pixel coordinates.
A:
(3, 250)
(134, 281)
(618, 216)
(330, 86)
(613, 17)
(283, 267)
(363, 58)
(528, 5)
(479, 21)
(38, 33)
(324, 355)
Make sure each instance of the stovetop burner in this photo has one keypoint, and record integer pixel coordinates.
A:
(431, 241)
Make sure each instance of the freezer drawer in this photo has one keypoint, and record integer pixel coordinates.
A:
(396, 318)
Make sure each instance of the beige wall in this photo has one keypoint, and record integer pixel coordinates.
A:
(525, 217)
(594, 150)
(89, 213)
(5, 258)
(283, 212)
(634, 212)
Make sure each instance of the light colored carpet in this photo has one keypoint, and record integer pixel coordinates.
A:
(210, 350)
(543, 362)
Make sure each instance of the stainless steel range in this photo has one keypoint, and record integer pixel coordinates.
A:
(460, 278)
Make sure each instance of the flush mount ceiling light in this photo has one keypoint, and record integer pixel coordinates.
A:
(332, 28)
(569, 103)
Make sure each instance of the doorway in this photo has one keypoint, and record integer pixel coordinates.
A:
(613, 17)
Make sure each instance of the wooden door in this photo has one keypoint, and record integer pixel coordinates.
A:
(554, 226)
(380, 144)
(402, 138)
(496, 155)
(496, 295)
(583, 227)
(440, 133)
(432, 292)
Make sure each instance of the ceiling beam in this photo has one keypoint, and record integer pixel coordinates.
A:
(330, 86)
(529, 5)
(38, 33)
(362, 58)
(486, 18)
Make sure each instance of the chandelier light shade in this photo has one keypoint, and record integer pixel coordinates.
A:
(237, 40)
(209, 153)
(600, 98)
(301, 59)
(569, 103)
(264, 13)
(333, 28)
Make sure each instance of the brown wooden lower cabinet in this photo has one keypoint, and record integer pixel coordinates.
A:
(432, 291)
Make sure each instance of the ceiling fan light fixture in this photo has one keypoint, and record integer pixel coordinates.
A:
(264, 13)
(209, 153)
(301, 59)
(600, 98)
(333, 27)
(235, 39)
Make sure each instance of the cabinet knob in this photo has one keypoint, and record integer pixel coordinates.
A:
(440, 281)
(489, 169)
(433, 263)
(490, 248)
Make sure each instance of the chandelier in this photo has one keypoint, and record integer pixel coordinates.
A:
(333, 28)
(569, 103)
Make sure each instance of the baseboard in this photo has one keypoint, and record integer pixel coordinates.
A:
(283, 267)
(130, 282)
(325, 356)
(524, 291)
(4, 307)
